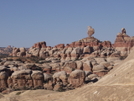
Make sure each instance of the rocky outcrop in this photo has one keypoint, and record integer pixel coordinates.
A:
(20, 80)
(86, 47)
(38, 79)
(64, 75)
(90, 31)
(6, 50)
(68, 66)
(3, 78)
(40, 45)
(123, 43)
(77, 78)
(60, 77)
(20, 52)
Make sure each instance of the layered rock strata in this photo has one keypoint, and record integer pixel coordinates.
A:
(64, 66)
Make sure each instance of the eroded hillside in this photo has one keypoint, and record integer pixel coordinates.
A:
(95, 69)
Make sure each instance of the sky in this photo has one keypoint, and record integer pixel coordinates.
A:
(25, 22)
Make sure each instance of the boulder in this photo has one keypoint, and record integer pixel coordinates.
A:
(76, 78)
(15, 51)
(60, 46)
(48, 85)
(58, 86)
(40, 45)
(99, 68)
(20, 80)
(68, 69)
(60, 76)
(71, 64)
(76, 53)
(38, 79)
(123, 43)
(42, 53)
(47, 77)
(87, 66)
(87, 50)
(79, 65)
(90, 31)
(99, 60)
(3, 80)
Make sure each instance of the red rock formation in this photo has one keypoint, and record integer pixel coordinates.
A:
(37, 77)
(122, 41)
(106, 44)
(20, 80)
(76, 78)
(90, 31)
(60, 46)
(40, 45)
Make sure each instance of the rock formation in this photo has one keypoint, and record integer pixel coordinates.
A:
(123, 42)
(64, 67)
(5, 50)
(90, 31)
(123, 31)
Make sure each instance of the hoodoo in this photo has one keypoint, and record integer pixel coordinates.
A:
(63, 67)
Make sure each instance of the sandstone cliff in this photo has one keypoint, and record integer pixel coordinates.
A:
(82, 65)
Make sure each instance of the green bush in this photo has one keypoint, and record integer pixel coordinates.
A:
(18, 93)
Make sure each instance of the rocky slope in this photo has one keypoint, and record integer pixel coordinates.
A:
(5, 50)
(117, 85)
(77, 65)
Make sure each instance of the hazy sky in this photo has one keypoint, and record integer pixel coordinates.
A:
(25, 22)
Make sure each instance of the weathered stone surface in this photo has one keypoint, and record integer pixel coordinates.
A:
(40, 45)
(60, 76)
(60, 46)
(58, 86)
(15, 51)
(99, 68)
(76, 78)
(91, 78)
(42, 53)
(123, 31)
(87, 66)
(63, 66)
(68, 69)
(47, 77)
(90, 31)
(48, 85)
(71, 64)
(123, 43)
(3, 80)
(87, 50)
(19, 52)
(106, 44)
(32, 66)
(20, 80)
(38, 78)
(100, 73)
(34, 51)
(79, 64)
(6, 50)
(75, 54)
(99, 60)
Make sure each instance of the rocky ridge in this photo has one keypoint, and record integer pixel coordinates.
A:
(6, 50)
(63, 67)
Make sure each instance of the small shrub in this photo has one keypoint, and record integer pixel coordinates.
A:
(123, 57)
(18, 93)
